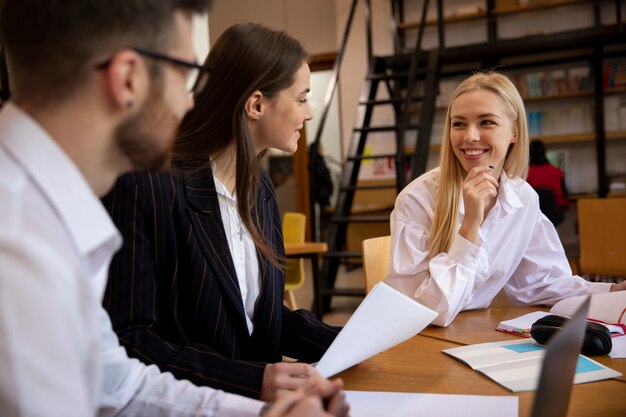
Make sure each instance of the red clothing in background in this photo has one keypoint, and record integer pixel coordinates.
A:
(548, 176)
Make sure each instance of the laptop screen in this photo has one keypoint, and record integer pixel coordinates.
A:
(559, 367)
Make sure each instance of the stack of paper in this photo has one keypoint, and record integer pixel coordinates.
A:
(385, 318)
(516, 365)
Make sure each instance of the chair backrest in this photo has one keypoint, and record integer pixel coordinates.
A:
(294, 227)
(547, 204)
(376, 253)
(602, 235)
(294, 230)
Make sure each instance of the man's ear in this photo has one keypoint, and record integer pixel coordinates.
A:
(255, 105)
(127, 79)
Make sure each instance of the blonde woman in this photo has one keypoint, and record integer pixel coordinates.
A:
(454, 247)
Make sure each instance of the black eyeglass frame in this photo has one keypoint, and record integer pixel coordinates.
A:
(203, 72)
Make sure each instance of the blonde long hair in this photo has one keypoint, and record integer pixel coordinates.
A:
(451, 174)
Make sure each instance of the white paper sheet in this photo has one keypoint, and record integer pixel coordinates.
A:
(619, 347)
(385, 318)
(607, 307)
(397, 404)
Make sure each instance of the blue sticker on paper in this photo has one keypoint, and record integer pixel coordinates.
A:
(585, 365)
(523, 347)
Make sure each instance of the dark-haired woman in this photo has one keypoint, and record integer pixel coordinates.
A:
(198, 287)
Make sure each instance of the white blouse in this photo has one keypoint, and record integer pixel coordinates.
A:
(518, 249)
(242, 250)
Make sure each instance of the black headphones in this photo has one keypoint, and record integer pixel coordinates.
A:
(597, 337)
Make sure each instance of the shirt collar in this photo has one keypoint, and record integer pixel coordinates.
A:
(509, 192)
(59, 180)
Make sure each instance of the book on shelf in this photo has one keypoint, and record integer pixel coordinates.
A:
(569, 119)
(579, 79)
(553, 82)
(621, 112)
(614, 74)
(611, 113)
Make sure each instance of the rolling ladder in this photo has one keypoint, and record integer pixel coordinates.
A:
(408, 84)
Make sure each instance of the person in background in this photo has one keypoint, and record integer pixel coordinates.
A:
(543, 175)
(321, 185)
(99, 88)
(197, 288)
(472, 226)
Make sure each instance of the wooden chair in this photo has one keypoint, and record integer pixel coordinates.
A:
(294, 229)
(602, 236)
(376, 253)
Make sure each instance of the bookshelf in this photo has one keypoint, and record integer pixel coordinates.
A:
(560, 54)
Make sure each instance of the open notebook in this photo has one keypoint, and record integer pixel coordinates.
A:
(516, 364)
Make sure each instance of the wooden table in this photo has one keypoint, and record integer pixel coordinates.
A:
(418, 365)
(310, 250)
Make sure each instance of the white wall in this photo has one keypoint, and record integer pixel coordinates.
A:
(311, 22)
(201, 36)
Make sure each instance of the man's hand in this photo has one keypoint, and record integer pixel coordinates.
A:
(332, 394)
(282, 379)
(285, 376)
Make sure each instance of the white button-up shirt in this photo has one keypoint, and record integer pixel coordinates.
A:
(242, 251)
(59, 355)
(518, 249)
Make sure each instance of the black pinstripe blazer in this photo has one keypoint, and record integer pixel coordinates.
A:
(173, 295)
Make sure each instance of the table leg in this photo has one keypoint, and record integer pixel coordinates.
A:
(317, 289)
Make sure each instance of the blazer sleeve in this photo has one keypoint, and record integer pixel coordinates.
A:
(141, 206)
(304, 336)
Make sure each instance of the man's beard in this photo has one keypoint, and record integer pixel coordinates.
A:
(147, 139)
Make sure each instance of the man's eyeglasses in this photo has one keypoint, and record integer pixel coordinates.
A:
(197, 75)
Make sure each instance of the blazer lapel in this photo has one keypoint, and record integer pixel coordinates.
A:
(209, 235)
(266, 318)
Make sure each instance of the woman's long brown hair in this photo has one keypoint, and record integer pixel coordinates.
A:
(246, 58)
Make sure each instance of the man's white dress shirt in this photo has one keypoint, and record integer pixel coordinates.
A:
(518, 249)
(59, 355)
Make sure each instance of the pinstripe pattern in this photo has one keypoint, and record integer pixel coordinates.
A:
(173, 295)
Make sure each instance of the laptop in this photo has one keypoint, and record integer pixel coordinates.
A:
(559, 367)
